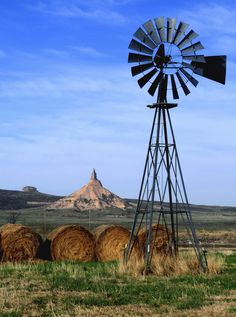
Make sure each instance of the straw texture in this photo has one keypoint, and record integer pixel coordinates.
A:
(159, 238)
(111, 242)
(19, 243)
(70, 242)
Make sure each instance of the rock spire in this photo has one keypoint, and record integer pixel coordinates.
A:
(92, 196)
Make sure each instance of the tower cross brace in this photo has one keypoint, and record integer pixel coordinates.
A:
(163, 198)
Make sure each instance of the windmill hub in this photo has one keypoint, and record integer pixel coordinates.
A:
(162, 61)
(167, 57)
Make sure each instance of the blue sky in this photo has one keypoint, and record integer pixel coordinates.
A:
(68, 102)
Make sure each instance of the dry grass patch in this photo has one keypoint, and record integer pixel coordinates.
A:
(163, 265)
(114, 311)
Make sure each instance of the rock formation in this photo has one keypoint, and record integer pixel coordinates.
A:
(90, 197)
(29, 189)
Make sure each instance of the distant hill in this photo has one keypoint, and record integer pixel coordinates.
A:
(16, 199)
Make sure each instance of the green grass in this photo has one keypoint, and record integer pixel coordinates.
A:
(57, 288)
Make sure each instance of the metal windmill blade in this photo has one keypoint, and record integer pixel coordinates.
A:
(187, 65)
(171, 22)
(135, 70)
(151, 31)
(160, 25)
(195, 58)
(187, 39)
(138, 58)
(144, 38)
(139, 47)
(192, 48)
(189, 77)
(183, 84)
(155, 84)
(145, 79)
(180, 31)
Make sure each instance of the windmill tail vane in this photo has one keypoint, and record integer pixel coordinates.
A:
(166, 59)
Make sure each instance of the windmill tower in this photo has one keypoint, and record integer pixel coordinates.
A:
(166, 57)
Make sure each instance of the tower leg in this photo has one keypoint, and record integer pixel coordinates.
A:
(162, 198)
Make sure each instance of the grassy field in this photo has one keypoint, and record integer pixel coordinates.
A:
(100, 289)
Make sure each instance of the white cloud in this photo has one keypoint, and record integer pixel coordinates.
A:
(101, 11)
(103, 123)
(55, 52)
(212, 19)
(89, 51)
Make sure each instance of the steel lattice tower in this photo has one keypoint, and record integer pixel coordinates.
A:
(164, 52)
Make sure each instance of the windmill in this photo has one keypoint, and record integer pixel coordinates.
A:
(166, 57)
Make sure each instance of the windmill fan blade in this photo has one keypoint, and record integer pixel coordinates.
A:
(151, 31)
(155, 83)
(183, 85)
(188, 38)
(170, 29)
(189, 77)
(139, 47)
(180, 31)
(143, 37)
(174, 89)
(161, 51)
(134, 58)
(193, 48)
(195, 58)
(188, 65)
(140, 68)
(214, 68)
(160, 24)
(142, 81)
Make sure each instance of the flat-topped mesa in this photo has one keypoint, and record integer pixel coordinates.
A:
(91, 196)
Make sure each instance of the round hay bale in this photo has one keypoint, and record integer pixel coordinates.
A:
(159, 238)
(98, 230)
(111, 242)
(71, 242)
(19, 243)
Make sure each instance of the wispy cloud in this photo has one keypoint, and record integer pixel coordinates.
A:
(212, 19)
(101, 11)
(97, 109)
(77, 80)
(55, 52)
(102, 115)
(89, 51)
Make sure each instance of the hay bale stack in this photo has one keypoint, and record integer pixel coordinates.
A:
(111, 242)
(19, 243)
(70, 242)
(159, 238)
